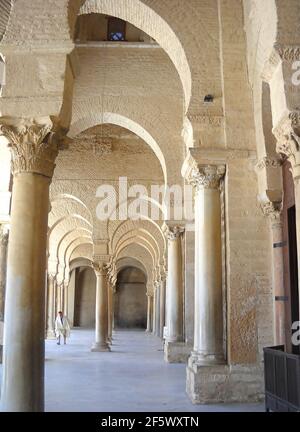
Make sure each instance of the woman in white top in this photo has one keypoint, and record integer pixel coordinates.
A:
(62, 327)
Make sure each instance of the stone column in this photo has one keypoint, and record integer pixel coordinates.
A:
(50, 333)
(174, 322)
(273, 211)
(34, 150)
(101, 332)
(62, 297)
(3, 264)
(208, 326)
(59, 289)
(174, 348)
(149, 313)
(65, 298)
(157, 309)
(110, 312)
(162, 306)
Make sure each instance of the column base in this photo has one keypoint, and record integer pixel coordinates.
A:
(207, 359)
(224, 383)
(176, 352)
(98, 347)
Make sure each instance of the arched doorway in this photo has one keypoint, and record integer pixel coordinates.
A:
(130, 309)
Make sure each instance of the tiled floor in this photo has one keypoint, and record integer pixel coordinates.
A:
(133, 377)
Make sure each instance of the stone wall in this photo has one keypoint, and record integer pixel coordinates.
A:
(85, 298)
(130, 300)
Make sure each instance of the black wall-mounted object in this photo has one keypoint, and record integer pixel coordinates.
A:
(208, 98)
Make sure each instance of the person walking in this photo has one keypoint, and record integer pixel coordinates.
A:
(62, 327)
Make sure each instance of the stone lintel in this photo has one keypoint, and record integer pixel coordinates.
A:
(214, 156)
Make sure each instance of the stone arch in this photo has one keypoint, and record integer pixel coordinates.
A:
(83, 250)
(72, 198)
(69, 236)
(64, 218)
(144, 243)
(80, 262)
(148, 200)
(120, 120)
(149, 229)
(83, 239)
(130, 262)
(147, 19)
(140, 254)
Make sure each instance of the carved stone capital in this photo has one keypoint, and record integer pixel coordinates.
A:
(287, 53)
(206, 176)
(272, 210)
(101, 268)
(33, 144)
(290, 53)
(174, 232)
(268, 162)
(287, 133)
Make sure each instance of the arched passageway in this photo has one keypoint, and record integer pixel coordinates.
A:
(85, 298)
(130, 306)
(192, 94)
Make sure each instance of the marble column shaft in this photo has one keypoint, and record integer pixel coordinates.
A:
(3, 265)
(162, 307)
(110, 312)
(149, 313)
(208, 327)
(50, 306)
(101, 330)
(157, 308)
(273, 212)
(175, 285)
(34, 149)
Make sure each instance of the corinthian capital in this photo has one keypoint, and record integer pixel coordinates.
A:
(33, 146)
(173, 232)
(287, 133)
(101, 268)
(206, 176)
(272, 210)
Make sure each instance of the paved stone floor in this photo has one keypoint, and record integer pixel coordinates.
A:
(133, 377)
